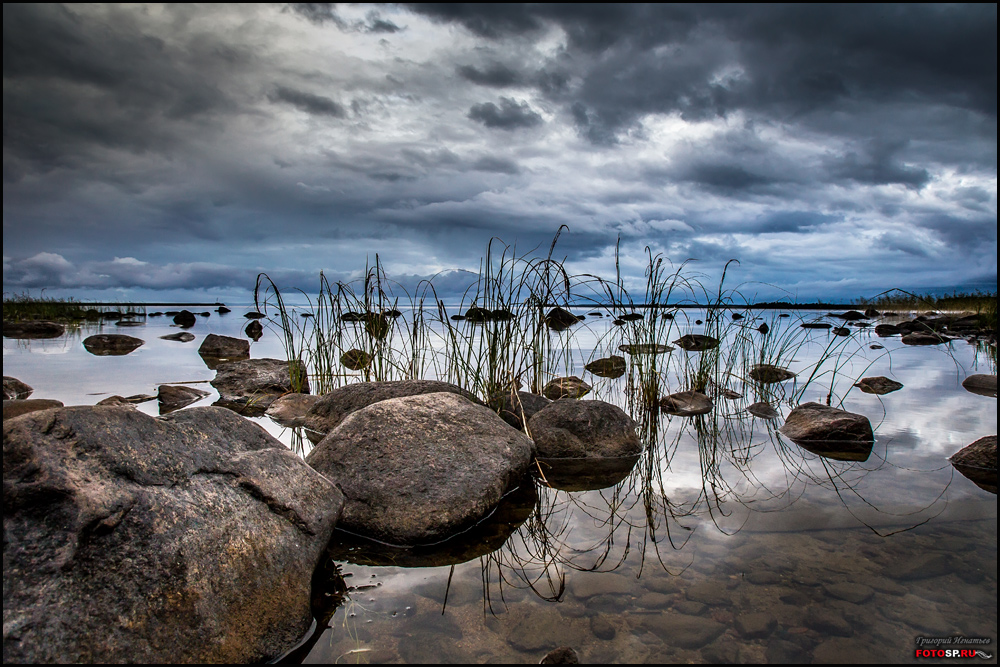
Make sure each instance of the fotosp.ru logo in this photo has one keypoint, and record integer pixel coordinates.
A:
(953, 647)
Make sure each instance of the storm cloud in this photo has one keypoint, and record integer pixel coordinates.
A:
(834, 150)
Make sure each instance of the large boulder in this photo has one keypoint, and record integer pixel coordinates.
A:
(830, 432)
(583, 429)
(418, 469)
(251, 385)
(29, 330)
(185, 319)
(128, 538)
(335, 406)
(224, 347)
(14, 389)
(113, 345)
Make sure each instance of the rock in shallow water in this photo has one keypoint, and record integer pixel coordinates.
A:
(584, 429)
(418, 469)
(116, 345)
(686, 404)
(984, 385)
(127, 538)
(878, 385)
(251, 385)
(14, 389)
(567, 387)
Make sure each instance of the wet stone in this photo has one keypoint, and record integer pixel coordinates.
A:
(924, 566)
(602, 628)
(662, 584)
(589, 585)
(690, 607)
(564, 655)
(681, 630)
(851, 592)
(653, 601)
(709, 592)
(839, 651)
(540, 630)
(721, 652)
(878, 385)
(828, 621)
(763, 578)
(17, 408)
(984, 385)
(784, 652)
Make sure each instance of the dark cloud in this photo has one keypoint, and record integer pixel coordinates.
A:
(878, 164)
(495, 75)
(308, 102)
(497, 165)
(510, 115)
(326, 12)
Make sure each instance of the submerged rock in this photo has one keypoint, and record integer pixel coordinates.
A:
(564, 655)
(686, 404)
(418, 469)
(251, 385)
(111, 345)
(977, 461)
(24, 406)
(566, 387)
(609, 367)
(586, 474)
(332, 408)
(816, 325)
(174, 397)
(584, 429)
(770, 374)
(222, 348)
(984, 385)
(30, 330)
(517, 407)
(188, 538)
(15, 389)
(886, 330)
(878, 385)
(697, 343)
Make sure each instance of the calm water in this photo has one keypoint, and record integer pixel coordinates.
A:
(724, 543)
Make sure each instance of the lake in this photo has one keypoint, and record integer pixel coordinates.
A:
(725, 542)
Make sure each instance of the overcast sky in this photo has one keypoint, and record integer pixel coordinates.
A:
(835, 151)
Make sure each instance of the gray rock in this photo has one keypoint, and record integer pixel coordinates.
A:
(984, 385)
(566, 387)
(924, 338)
(709, 592)
(887, 330)
(686, 404)
(828, 621)
(602, 628)
(690, 607)
(180, 337)
(645, 348)
(116, 345)
(763, 409)
(14, 389)
(224, 347)
(32, 330)
(697, 343)
(185, 319)
(690, 632)
(517, 407)
(608, 367)
(17, 408)
(924, 566)
(251, 385)
(818, 423)
(254, 330)
(854, 593)
(291, 409)
(418, 469)
(564, 655)
(879, 385)
(174, 397)
(127, 538)
(334, 407)
(755, 625)
(578, 429)
(120, 401)
(355, 360)
(770, 374)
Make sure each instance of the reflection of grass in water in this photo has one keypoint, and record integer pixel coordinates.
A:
(24, 307)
